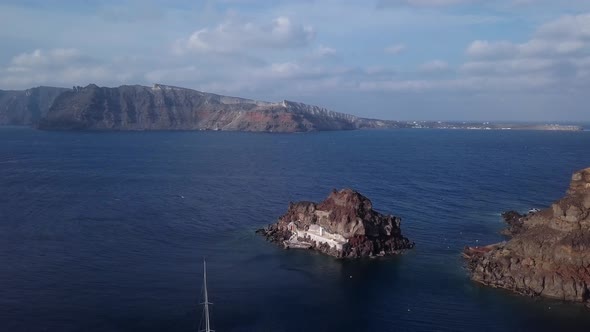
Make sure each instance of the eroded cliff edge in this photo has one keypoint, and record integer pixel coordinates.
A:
(344, 226)
(26, 107)
(162, 107)
(549, 253)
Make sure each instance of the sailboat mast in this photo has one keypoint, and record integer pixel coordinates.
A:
(207, 323)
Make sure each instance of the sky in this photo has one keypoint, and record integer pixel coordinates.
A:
(481, 60)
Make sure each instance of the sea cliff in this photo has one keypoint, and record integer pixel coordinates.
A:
(549, 253)
(27, 107)
(162, 107)
(344, 225)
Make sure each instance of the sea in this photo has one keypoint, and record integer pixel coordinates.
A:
(107, 231)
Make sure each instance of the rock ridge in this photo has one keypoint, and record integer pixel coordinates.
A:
(549, 252)
(164, 107)
(344, 226)
(26, 107)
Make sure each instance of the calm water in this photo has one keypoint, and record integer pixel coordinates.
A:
(107, 231)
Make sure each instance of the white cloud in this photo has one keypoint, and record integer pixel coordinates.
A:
(59, 66)
(571, 27)
(507, 67)
(563, 36)
(553, 59)
(422, 3)
(131, 11)
(435, 66)
(397, 85)
(533, 47)
(496, 4)
(462, 84)
(58, 56)
(182, 74)
(324, 51)
(233, 36)
(395, 49)
(486, 49)
(241, 50)
(286, 69)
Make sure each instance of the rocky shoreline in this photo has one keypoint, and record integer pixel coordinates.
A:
(344, 226)
(549, 252)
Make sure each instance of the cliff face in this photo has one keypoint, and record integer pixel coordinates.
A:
(161, 107)
(26, 107)
(549, 254)
(345, 216)
(171, 108)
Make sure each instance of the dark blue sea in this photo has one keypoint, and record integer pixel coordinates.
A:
(107, 231)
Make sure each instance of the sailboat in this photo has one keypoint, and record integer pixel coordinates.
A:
(206, 301)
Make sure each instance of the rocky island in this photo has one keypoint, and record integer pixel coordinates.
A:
(549, 252)
(164, 107)
(344, 226)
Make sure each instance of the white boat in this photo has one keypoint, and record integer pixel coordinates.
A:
(206, 303)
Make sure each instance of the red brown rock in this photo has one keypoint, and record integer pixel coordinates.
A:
(549, 254)
(162, 107)
(347, 215)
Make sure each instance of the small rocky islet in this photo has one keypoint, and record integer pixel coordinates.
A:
(548, 254)
(344, 226)
(549, 250)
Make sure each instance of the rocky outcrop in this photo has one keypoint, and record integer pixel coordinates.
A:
(514, 220)
(161, 107)
(549, 253)
(26, 107)
(346, 220)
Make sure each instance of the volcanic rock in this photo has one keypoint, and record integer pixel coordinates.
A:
(549, 253)
(344, 225)
(26, 107)
(163, 107)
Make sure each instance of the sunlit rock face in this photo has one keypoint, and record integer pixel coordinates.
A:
(162, 107)
(549, 253)
(344, 225)
(26, 107)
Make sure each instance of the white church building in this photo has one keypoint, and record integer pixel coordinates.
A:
(318, 234)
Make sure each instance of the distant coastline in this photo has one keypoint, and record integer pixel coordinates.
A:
(488, 125)
(162, 107)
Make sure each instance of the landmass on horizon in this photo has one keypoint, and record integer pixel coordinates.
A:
(163, 107)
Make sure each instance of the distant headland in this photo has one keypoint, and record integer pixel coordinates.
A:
(163, 107)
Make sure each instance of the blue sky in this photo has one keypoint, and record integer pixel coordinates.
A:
(391, 59)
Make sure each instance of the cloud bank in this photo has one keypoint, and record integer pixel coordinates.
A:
(401, 57)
